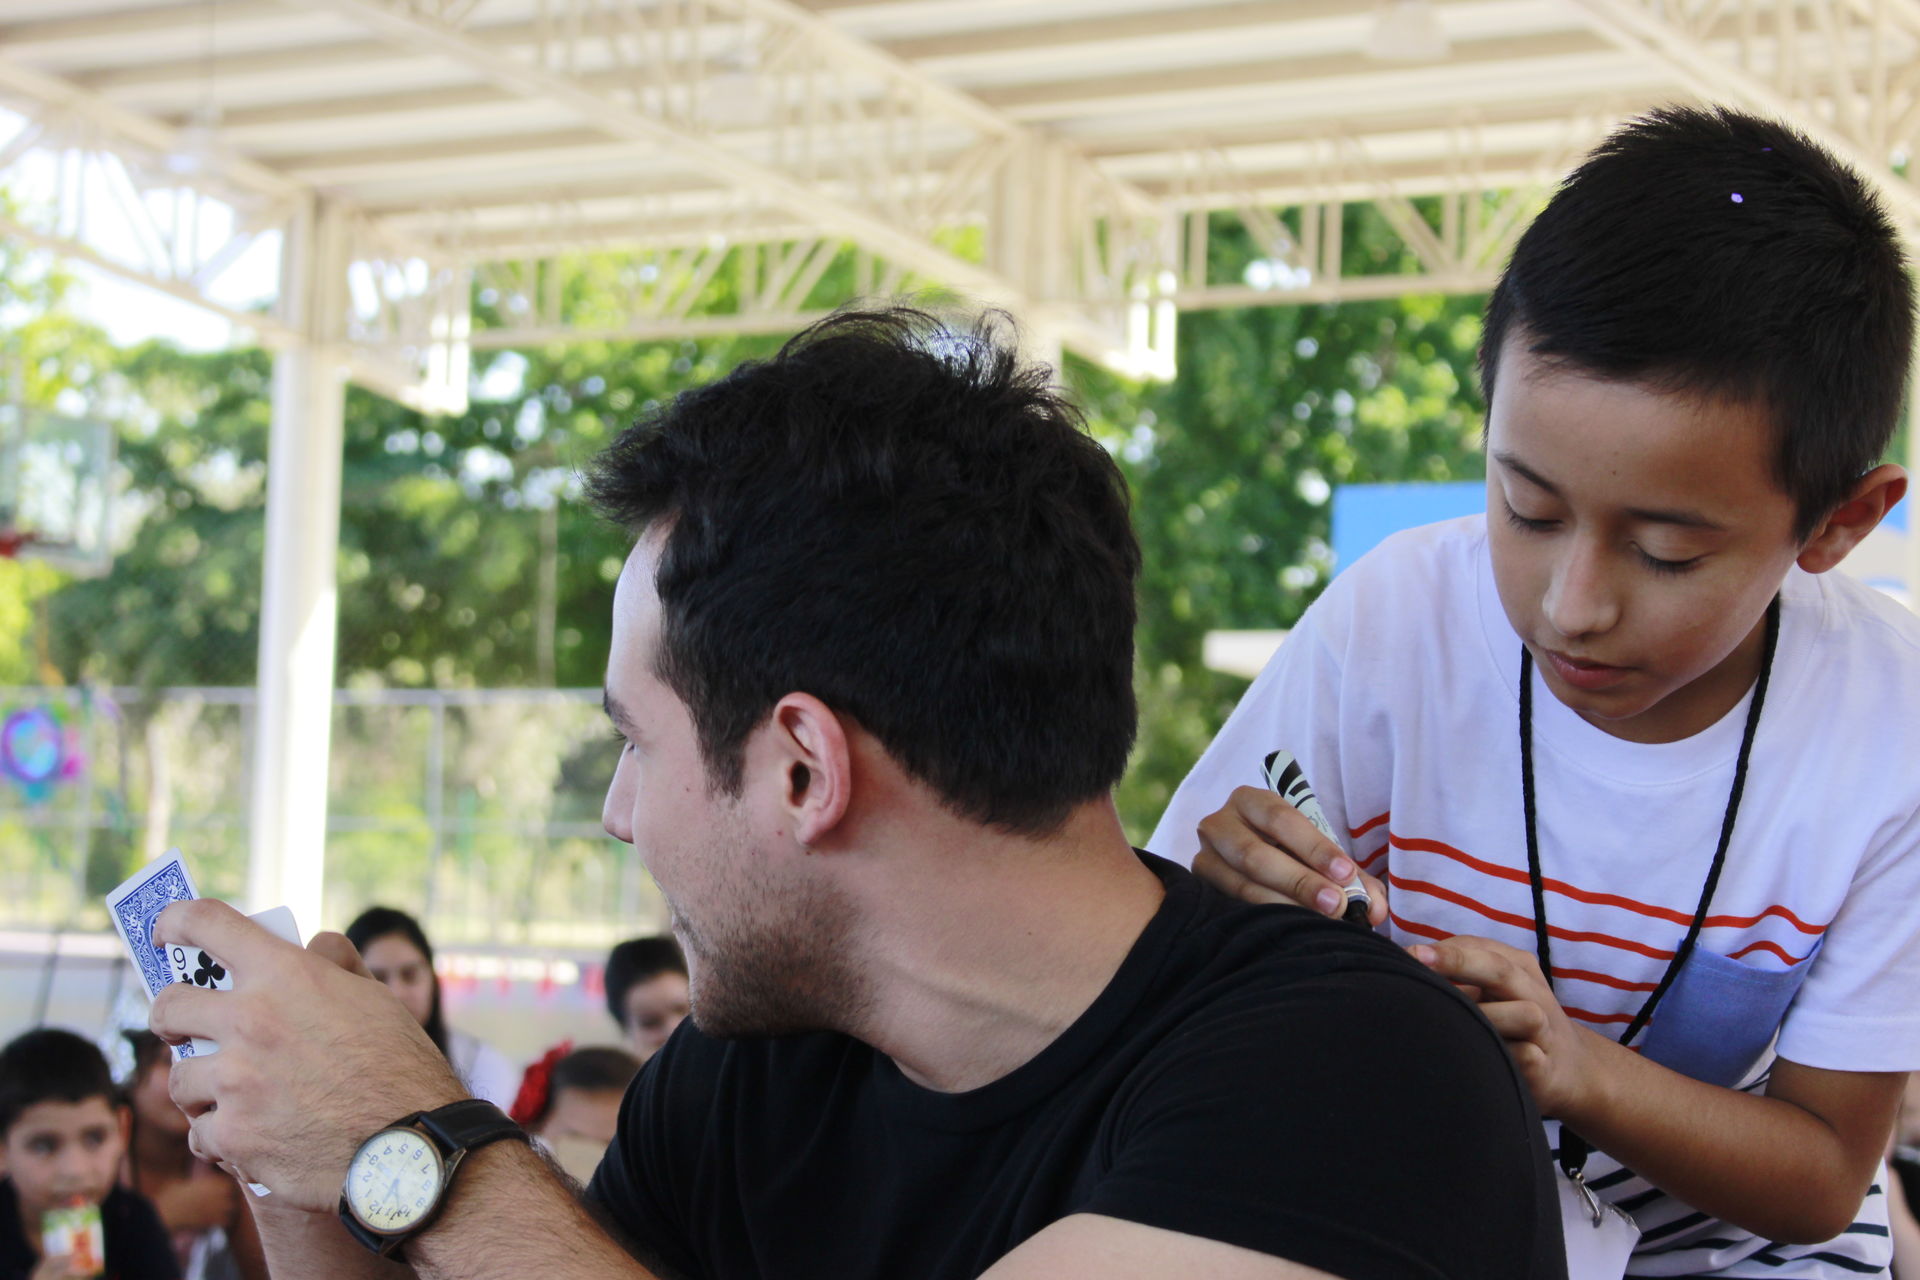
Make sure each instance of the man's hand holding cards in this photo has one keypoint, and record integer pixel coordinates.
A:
(314, 1054)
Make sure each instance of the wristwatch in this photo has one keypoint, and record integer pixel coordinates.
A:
(398, 1179)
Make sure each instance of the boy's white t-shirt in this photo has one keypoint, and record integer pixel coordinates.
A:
(1399, 692)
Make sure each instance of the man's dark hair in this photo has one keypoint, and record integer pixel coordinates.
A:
(1711, 253)
(50, 1065)
(382, 922)
(903, 520)
(636, 960)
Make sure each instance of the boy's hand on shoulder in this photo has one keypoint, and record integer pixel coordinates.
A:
(1560, 1060)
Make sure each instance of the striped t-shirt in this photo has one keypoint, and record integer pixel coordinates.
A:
(1399, 693)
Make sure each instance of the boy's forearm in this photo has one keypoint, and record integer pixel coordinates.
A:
(510, 1217)
(1765, 1163)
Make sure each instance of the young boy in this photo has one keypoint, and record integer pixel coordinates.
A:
(646, 985)
(63, 1138)
(1537, 727)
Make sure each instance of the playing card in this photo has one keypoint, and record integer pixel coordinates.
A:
(134, 906)
(138, 902)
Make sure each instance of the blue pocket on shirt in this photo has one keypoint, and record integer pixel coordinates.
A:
(1720, 1015)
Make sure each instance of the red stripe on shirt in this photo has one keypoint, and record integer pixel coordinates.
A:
(1585, 1016)
(1368, 825)
(1367, 863)
(1397, 884)
(1604, 979)
(1598, 899)
(1764, 945)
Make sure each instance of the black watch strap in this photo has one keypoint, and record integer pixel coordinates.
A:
(466, 1124)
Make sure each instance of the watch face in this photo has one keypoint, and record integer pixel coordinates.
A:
(394, 1180)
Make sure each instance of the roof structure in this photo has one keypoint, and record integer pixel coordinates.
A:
(1060, 160)
(414, 163)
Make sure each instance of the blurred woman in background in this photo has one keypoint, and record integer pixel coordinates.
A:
(397, 952)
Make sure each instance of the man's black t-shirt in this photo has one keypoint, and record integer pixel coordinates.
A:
(137, 1244)
(1256, 1075)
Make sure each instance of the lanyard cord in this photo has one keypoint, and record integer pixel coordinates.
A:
(1573, 1148)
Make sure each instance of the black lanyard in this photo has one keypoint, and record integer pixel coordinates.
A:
(1573, 1148)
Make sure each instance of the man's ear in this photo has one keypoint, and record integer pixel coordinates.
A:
(1874, 494)
(811, 745)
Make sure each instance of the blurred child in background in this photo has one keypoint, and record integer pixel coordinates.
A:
(203, 1209)
(61, 1213)
(570, 1102)
(397, 952)
(647, 991)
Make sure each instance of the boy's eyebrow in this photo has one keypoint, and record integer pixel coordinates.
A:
(616, 712)
(1646, 515)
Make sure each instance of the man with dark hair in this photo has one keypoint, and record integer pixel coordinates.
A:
(646, 986)
(872, 671)
(1633, 766)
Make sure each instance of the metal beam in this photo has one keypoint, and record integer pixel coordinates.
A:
(815, 167)
(1824, 66)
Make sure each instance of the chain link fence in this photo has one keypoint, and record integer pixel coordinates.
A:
(479, 810)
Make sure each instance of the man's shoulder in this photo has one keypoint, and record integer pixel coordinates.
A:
(1258, 961)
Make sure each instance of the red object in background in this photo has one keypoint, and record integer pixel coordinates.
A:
(11, 540)
(593, 980)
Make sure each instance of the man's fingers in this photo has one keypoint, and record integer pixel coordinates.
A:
(335, 948)
(184, 1011)
(191, 1086)
(213, 926)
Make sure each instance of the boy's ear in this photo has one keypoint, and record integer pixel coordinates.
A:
(810, 744)
(1874, 494)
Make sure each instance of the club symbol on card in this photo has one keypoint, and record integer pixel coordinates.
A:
(209, 971)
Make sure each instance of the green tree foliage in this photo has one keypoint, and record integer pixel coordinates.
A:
(1233, 465)
(466, 560)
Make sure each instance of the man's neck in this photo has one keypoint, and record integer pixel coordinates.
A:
(983, 947)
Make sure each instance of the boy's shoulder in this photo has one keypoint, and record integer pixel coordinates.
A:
(1406, 580)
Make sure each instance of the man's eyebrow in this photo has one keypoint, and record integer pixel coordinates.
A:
(616, 713)
(1684, 517)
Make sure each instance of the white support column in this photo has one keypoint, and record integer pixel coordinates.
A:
(299, 606)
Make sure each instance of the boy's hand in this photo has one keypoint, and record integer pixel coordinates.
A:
(314, 1057)
(1259, 848)
(1556, 1057)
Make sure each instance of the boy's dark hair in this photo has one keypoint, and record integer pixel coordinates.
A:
(1714, 253)
(50, 1065)
(635, 961)
(381, 922)
(901, 519)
